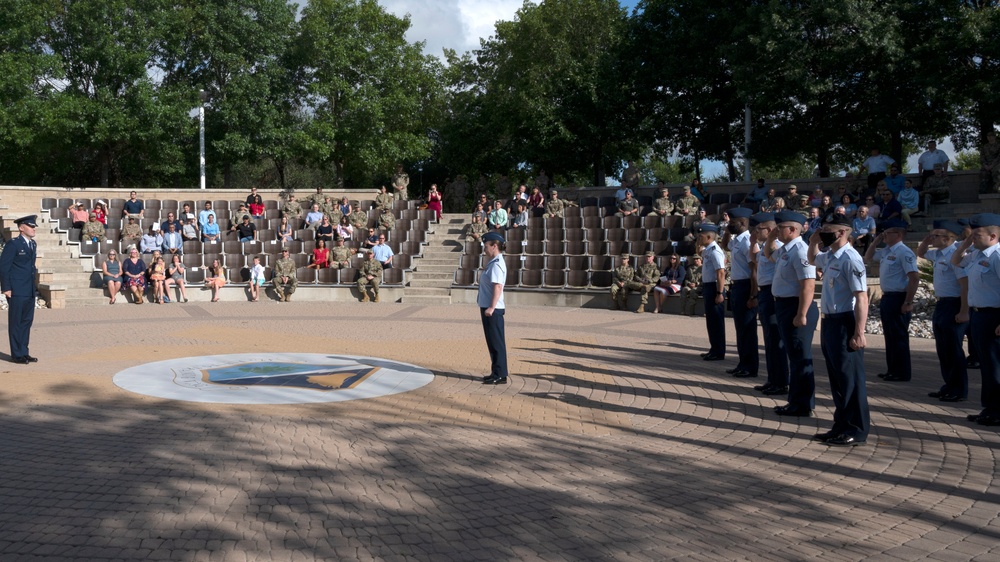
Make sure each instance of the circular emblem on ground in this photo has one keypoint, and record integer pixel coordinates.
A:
(272, 378)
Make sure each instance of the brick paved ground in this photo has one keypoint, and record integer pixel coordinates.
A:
(613, 442)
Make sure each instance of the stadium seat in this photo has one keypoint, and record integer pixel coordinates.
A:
(631, 221)
(300, 260)
(515, 235)
(578, 263)
(570, 223)
(575, 234)
(652, 221)
(402, 261)
(552, 222)
(515, 249)
(718, 198)
(412, 248)
(572, 211)
(348, 276)
(327, 276)
(575, 248)
(611, 222)
(588, 202)
(600, 279)
(533, 262)
(555, 247)
(616, 248)
(392, 276)
(513, 276)
(466, 277)
(614, 234)
(577, 279)
(89, 248)
(555, 262)
(534, 247)
(639, 247)
(656, 234)
(238, 274)
(554, 235)
(662, 247)
(469, 262)
(671, 221)
(531, 278)
(194, 275)
(591, 212)
(593, 222)
(305, 275)
(534, 234)
(635, 234)
(553, 278)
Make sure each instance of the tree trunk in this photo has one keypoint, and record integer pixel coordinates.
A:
(599, 173)
(731, 162)
(339, 166)
(105, 167)
(823, 162)
(227, 175)
(896, 148)
(280, 168)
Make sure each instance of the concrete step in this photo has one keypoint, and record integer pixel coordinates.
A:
(429, 284)
(411, 299)
(449, 261)
(449, 269)
(427, 291)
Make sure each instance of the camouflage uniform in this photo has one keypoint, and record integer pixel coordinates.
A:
(476, 231)
(384, 201)
(131, 234)
(630, 206)
(646, 277)
(692, 289)
(662, 207)
(555, 207)
(386, 222)
(335, 216)
(340, 257)
(316, 199)
(990, 156)
(292, 209)
(285, 267)
(92, 229)
(400, 183)
(687, 205)
(619, 295)
(326, 206)
(630, 177)
(936, 188)
(372, 267)
(359, 220)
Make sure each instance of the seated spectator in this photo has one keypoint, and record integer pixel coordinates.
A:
(292, 208)
(256, 279)
(370, 273)
(671, 281)
(687, 205)
(478, 211)
(890, 209)
(175, 276)
(699, 191)
(555, 207)
(768, 202)
(358, 220)
(133, 208)
(215, 279)
(171, 219)
(841, 192)
(826, 206)
(757, 195)
(204, 215)
(520, 219)
(325, 230)
(102, 213)
(255, 203)
(131, 234)
(242, 211)
(536, 200)
(345, 206)
(152, 240)
(157, 276)
(628, 206)
(695, 227)
(135, 274)
(622, 276)
(793, 193)
(384, 199)
(799, 203)
(777, 206)
(497, 219)
(340, 255)
(909, 199)
(78, 215)
(894, 182)
(92, 230)
(936, 187)
(210, 232)
(190, 230)
(285, 282)
(315, 217)
(383, 253)
(320, 256)
(863, 228)
(663, 206)
(723, 221)
(817, 197)
(622, 192)
(815, 222)
(476, 230)
(691, 290)
(873, 208)
(371, 240)
(386, 220)
(246, 231)
(850, 209)
(173, 242)
(112, 270)
(285, 232)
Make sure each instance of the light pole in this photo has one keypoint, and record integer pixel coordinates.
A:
(203, 95)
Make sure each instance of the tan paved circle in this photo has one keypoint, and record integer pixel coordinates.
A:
(614, 441)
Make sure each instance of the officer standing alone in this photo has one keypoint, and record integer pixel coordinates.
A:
(774, 349)
(939, 247)
(794, 290)
(713, 280)
(742, 294)
(491, 307)
(844, 302)
(17, 281)
(899, 278)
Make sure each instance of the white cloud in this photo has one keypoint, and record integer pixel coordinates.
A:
(453, 24)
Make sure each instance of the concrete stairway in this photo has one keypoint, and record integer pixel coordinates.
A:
(433, 273)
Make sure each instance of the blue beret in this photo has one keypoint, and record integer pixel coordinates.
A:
(840, 219)
(984, 219)
(708, 227)
(963, 222)
(789, 216)
(761, 217)
(739, 213)
(28, 221)
(894, 223)
(493, 237)
(951, 226)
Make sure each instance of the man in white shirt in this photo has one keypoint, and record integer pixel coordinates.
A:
(927, 160)
(877, 164)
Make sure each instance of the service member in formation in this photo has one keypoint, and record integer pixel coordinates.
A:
(713, 283)
(492, 307)
(554, 207)
(400, 183)
(663, 206)
(774, 350)
(981, 268)
(939, 247)
(899, 277)
(794, 290)
(692, 286)
(620, 279)
(340, 255)
(284, 280)
(844, 303)
(17, 281)
(742, 294)
(687, 205)
(370, 273)
(646, 277)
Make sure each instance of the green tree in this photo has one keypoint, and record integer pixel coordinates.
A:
(372, 95)
(975, 55)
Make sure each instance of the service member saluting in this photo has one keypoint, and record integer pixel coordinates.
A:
(845, 311)
(742, 294)
(774, 350)
(982, 294)
(713, 280)
(899, 278)
(794, 289)
(17, 281)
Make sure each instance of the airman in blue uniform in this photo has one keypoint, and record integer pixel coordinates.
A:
(17, 281)
(774, 350)
(844, 303)
(981, 267)
(794, 289)
(742, 294)
(713, 281)
(899, 278)
(939, 247)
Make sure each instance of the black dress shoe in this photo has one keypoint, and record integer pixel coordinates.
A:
(883, 375)
(843, 441)
(711, 357)
(763, 387)
(775, 391)
(495, 380)
(825, 436)
(988, 420)
(789, 410)
(894, 378)
(935, 394)
(735, 370)
(21, 360)
(975, 417)
(745, 375)
(972, 364)
(951, 398)
(31, 359)
(704, 354)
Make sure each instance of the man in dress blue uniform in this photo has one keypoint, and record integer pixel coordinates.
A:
(17, 281)
(899, 278)
(982, 294)
(794, 290)
(844, 302)
(713, 281)
(972, 357)
(939, 247)
(491, 306)
(737, 240)
(774, 350)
